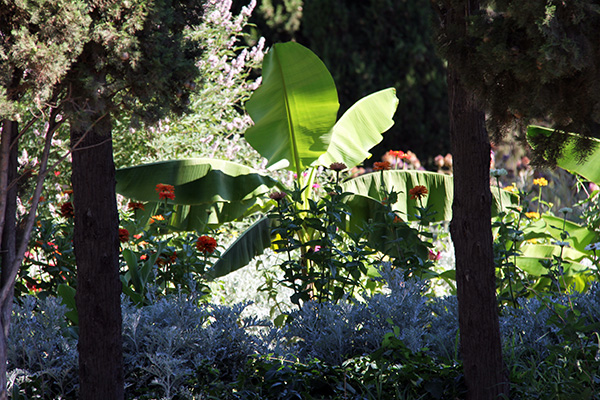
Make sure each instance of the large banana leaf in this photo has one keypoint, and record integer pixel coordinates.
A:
(588, 168)
(579, 236)
(294, 109)
(574, 272)
(228, 190)
(439, 198)
(248, 245)
(360, 128)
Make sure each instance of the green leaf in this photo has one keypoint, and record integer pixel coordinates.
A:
(532, 254)
(579, 236)
(360, 128)
(439, 186)
(294, 109)
(570, 160)
(67, 294)
(252, 242)
(207, 191)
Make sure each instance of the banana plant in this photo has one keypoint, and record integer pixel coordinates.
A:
(294, 113)
(545, 239)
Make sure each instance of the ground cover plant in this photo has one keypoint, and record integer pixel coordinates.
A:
(358, 254)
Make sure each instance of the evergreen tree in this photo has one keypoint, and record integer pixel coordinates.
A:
(93, 59)
(519, 62)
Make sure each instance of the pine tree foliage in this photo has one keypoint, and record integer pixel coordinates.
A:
(141, 45)
(531, 61)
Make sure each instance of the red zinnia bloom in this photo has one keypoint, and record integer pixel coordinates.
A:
(396, 153)
(165, 191)
(418, 192)
(206, 244)
(123, 235)
(382, 166)
(66, 210)
(133, 205)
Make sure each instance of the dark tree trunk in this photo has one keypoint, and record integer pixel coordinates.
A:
(471, 232)
(96, 247)
(9, 246)
(472, 236)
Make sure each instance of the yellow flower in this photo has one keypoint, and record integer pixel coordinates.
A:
(512, 188)
(540, 182)
(532, 215)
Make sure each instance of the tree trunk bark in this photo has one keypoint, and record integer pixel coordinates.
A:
(96, 247)
(471, 232)
(10, 132)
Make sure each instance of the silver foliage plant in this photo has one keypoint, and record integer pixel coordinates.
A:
(175, 342)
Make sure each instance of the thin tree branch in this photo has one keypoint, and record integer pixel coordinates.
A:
(14, 269)
(4, 153)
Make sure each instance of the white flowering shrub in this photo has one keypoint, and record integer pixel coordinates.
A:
(217, 121)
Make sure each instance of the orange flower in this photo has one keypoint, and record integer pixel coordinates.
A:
(206, 244)
(66, 210)
(165, 191)
(123, 235)
(418, 192)
(397, 219)
(532, 215)
(156, 218)
(382, 166)
(133, 205)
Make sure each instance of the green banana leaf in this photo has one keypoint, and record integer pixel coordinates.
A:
(439, 199)
(569, 160)
(574, 272)
(207, 191)
(294, 109)
(579, 236)
(248, 245)
(360, 128)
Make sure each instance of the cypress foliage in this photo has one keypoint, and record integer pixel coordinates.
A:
(529, 61)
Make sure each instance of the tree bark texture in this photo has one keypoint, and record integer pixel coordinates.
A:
(96, 247)
(9, 245)
(471, 232)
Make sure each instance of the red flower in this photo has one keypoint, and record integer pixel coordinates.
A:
(165, 191)
(206, 244)
(32, 286)
(133, 205)
(66, 210)
(418, 192)
(382, 166)
(123, 235)
(396, 153)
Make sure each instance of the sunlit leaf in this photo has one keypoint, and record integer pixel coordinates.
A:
(294, 109)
